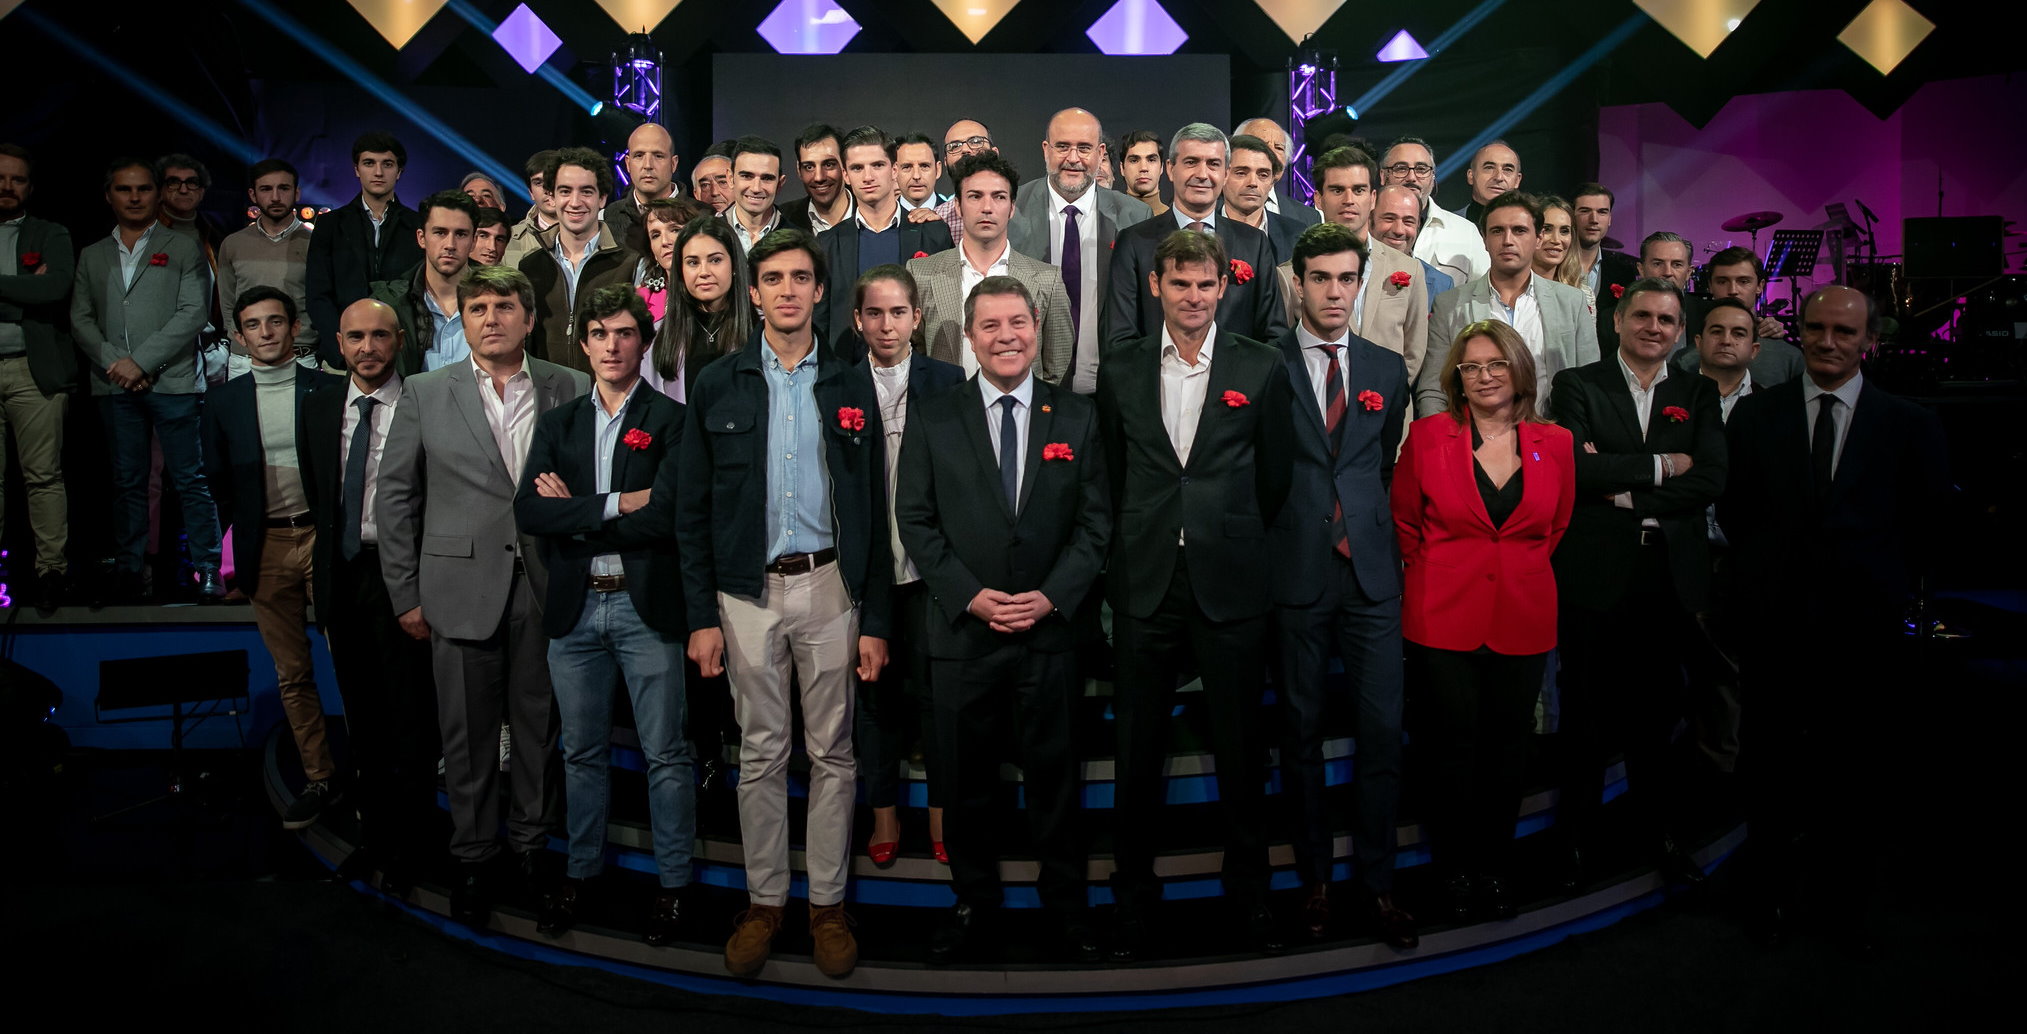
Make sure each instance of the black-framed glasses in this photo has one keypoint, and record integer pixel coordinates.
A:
(1403, 168)
(182, 183)
(1495, 369)
(955, 146)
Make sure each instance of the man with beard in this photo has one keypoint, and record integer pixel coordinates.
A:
(272, 251)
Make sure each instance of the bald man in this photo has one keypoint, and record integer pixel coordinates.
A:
(964, 138)
(1494, 170)
(1068, 221)
(383, 674)
(1277, 138)
(651, 174)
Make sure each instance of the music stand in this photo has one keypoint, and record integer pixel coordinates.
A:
(1792, 254)
(175, 682)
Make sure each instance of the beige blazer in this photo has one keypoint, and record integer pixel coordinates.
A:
(941, 278)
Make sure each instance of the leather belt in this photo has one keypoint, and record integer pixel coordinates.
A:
(801, 563)
(300, 520)
(1650, 537)
(608, 582)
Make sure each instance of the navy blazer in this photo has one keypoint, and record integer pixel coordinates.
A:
(721, 507)
(840, 245)
(235, 463)
(344, 263)
(958, 530)
(574, 530)
(1358, 477)
(1253, 309)
(928, 377)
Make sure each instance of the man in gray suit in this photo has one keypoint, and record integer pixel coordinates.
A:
(1554, 319)
(1053, 222)
(460, 574)
(38, 368)
(138, 302)
(985, 200)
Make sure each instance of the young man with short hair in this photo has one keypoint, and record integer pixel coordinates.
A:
(371, 239)
(272, 251)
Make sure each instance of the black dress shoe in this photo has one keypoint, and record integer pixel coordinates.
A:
(1081, 942)
(538, 870)
(1396, 926)
(951, 938)
(210, 587)
(665, 913)
(471, 901)
(1263, 932)
(1463, 897)
(1678, 868)
(1494, 901)
(560, 908)
(1316, 911)
(49, 586)
(1129, 933)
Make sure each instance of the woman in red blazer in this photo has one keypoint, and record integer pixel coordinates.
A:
(1481, 496)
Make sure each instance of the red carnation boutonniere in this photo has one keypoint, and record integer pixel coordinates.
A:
(851, 418)
(1058, 451)
(1676, 414)
(921, 254)
(1241, 272)
(30, 259)
(1618, 290)
(637, 439)
(160, 258)
(1235, 399)
(1401, 278)
(1372, 400)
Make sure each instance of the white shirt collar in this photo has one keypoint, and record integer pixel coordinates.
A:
(898, 371)
(1005, 255)
(599, 405)
(859, 215)
(1085, 202)
(1024, 392)
(479, 372)
(1633, 382)
(146, 235)
(1169, 349)
(1847, 394)
(1307, 340)
(1182, 221)
(386, 394)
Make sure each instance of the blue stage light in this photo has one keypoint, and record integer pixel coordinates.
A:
(1462, 155)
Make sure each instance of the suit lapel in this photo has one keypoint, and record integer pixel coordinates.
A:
(464, 389)
(972, 415)
(1041, 423)
(1860, 441)
(1221, 377)
(1298, 372)
(1465, 472)
(629, 421)
(1619, 397)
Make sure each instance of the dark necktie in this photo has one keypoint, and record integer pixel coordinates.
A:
(1333, 424)
(1073, 265)
(355, 476)
(1009, 454)
(1197, 225)
(1823, 444)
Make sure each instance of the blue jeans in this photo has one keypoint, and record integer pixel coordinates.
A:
(611, 641)
(174, 418)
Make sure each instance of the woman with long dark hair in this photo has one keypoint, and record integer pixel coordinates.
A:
(704, 310)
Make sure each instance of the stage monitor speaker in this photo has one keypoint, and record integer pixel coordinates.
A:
(184, 678)
(1961, 246)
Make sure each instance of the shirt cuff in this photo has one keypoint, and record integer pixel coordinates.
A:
(1657, 470)
(611, 506)
(1624, 500)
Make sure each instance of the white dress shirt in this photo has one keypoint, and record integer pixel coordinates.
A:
(1726, 402)
(890, 384)
(1182, 394)
(746, 240)
(1449, 239)
(1182, 221)
(1524, 315)
(1084, 379)
(1643, 407)
(818, 224)
(1840, 417)
(968, 277)
(376, 220)
(387, 396)
(1023, 396)
(130, 258)
(511, 416)
(1319, 361)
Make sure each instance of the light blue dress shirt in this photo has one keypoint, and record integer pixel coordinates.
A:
(605, 433)
(447, 342)
(798, 490)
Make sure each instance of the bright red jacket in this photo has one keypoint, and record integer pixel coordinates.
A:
(1466, 583)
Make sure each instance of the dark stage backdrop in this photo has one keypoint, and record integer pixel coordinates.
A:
(1014, 95)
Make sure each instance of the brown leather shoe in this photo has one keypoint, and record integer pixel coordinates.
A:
(1316, 910)
(834, 950)
(752, 939)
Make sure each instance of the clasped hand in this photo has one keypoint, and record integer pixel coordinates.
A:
(1010, 612)
(549, 486)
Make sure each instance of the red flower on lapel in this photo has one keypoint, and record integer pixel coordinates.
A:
(851, 418)
(1241, 272)
(1058, 451)
(160, 258)
(1618, 290)
(1372, 400)
(637, 439)
(1676, 413)
(1401, 278)
(1235, 399)
(30, 260)
(921, 254)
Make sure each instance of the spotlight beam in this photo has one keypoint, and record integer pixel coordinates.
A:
(1400, 74)
(148, 91)
(1462, 155)
(578, 95)
(507, 179)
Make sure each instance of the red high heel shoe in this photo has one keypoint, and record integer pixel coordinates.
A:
(883, 854)
(936, 848)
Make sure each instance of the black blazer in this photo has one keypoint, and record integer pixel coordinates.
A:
(320, 427)
(1859, 553)
(572, 531)
(928, 377)
(1233, 489)
(1359, 478)
(1597, 557)
(840, 246)
(235, 463)
(1281, 232)
(344, 263)
(721, 502)
(796, 213)
(1251, 310)
(957, 529)
(1615, 268)
(39, 303)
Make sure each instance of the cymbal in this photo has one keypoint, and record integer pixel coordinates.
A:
(1752, 222)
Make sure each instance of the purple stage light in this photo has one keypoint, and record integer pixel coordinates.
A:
(526, 39)
(1136, 27)
(1402, 47)
(808, 27)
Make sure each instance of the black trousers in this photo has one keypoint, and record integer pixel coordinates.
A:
(1366, 633)
(1230, 658)
(390, 712)
(1018, 702)
(1473, 713)
(1623, 690)
(897, 706)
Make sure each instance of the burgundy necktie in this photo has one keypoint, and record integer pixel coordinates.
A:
(1333, 422)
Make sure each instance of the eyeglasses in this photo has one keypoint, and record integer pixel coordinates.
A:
(955, 146)
(1064, 148)
(1403, 168)
(1495, 369)
(181, 183)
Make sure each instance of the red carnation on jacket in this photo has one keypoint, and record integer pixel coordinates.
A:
(1675, 413)
(637, 439)
(160, 258)
(1372, 400)
(1241, 271)
(1235, 399)
(1401, 278)
(851, 418)
(1057, 451)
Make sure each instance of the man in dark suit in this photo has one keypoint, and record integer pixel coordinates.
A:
(1278, 200)
(383, 672)
(875, 235)
(1004, 506)
(1832, 510)
(599, 490)
(1634, 567)
(1336, 574)
(1248, 183)
(253, 460)
(38, 366)
(1252, 306)
(1197, 428)
(887, 310)
(373, 238)
(1606, 272)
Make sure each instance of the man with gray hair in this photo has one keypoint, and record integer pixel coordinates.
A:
(1446, 238)
(1277, 138)
(1251, 304)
